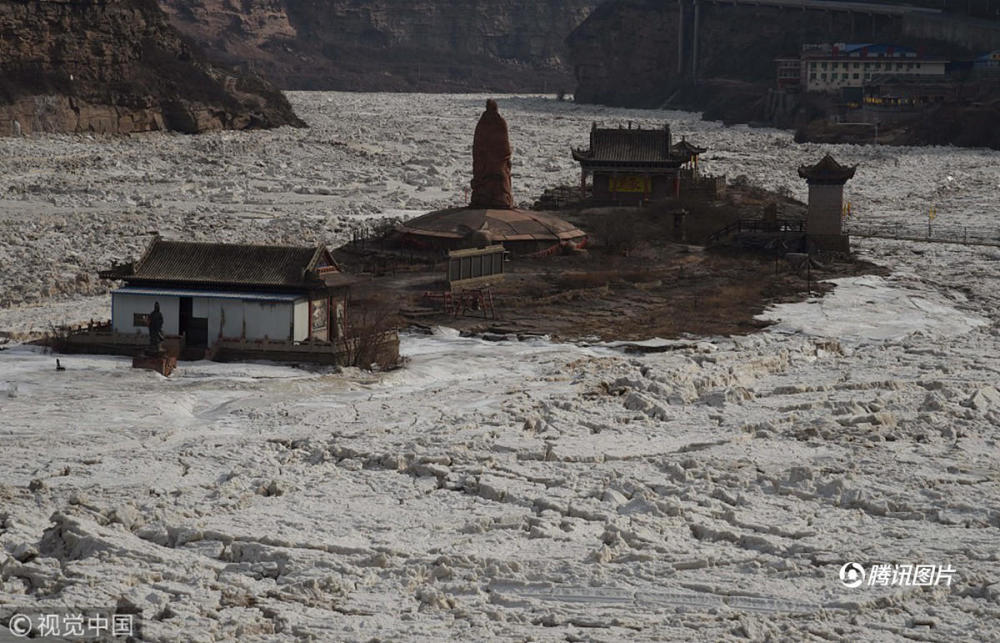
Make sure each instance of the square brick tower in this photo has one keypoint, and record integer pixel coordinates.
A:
(826, 180)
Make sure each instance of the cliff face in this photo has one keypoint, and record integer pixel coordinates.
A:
(626, 52)
(117, 66)
(382, 45)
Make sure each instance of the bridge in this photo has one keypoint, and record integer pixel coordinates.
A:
(835, 5)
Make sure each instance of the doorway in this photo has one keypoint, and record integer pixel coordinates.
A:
(194, 329)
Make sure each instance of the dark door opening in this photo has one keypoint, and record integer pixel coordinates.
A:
(194, 329)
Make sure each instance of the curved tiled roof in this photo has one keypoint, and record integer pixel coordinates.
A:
(232, 264)
(500, 225)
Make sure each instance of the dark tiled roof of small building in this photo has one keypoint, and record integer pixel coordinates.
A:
(230, 264)
(620, 144)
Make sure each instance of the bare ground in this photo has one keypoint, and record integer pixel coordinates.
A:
(634, 283)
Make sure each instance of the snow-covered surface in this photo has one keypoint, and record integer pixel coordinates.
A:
(872, 308)
(500, 489)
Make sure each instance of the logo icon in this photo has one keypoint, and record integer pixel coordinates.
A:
(852, 575)
(20, 625)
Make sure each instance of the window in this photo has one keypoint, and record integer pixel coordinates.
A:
(857, 76)
(812, 76)
(140, 319)
(899, 66)
(823, 65)
(843, 77)
(856, 65)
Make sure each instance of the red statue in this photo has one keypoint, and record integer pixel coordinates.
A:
(491, 161)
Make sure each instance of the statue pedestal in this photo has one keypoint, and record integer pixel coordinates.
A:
(162, 364)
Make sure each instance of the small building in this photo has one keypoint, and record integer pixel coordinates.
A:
(633, 165)
(208, 292)
(832, 68)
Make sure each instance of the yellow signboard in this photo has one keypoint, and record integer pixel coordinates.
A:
(630, 183)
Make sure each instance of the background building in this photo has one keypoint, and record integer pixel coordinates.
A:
(829, 68)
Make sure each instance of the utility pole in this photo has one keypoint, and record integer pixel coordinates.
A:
(694, 41)
(680, 37)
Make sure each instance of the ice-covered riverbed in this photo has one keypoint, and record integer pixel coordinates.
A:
(522, 489)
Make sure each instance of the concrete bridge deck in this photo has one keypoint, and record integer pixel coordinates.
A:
(835, 5)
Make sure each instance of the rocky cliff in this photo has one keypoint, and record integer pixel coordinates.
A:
(117, 66)
(626, 52)
(386, 45)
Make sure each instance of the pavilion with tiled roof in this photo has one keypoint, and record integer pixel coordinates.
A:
(632, 165)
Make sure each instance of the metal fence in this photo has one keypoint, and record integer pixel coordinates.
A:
(967, 235)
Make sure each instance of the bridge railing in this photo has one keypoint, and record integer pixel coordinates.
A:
(792, 226)
(923, 231)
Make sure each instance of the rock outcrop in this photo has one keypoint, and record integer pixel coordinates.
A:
(381, 45)
(117, 66)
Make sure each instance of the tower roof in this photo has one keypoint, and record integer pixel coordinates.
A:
(827, 171)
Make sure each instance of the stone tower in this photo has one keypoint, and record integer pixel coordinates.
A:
(826, 180)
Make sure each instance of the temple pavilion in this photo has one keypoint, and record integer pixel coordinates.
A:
(632, 165)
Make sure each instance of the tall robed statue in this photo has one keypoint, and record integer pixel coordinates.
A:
(491, 167)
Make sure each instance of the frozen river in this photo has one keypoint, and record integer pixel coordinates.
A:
(512, 489)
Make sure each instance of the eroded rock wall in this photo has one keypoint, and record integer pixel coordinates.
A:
(375, 45)
(117, 66)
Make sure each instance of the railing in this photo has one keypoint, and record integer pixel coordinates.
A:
(931, 232)
(794, 226)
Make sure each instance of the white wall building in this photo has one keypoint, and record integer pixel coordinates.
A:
(828, 68)
(209, 291)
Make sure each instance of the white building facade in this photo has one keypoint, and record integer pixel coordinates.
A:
(214, 315)
(829, 68)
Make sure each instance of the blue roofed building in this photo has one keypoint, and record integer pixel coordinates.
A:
(988, 62)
